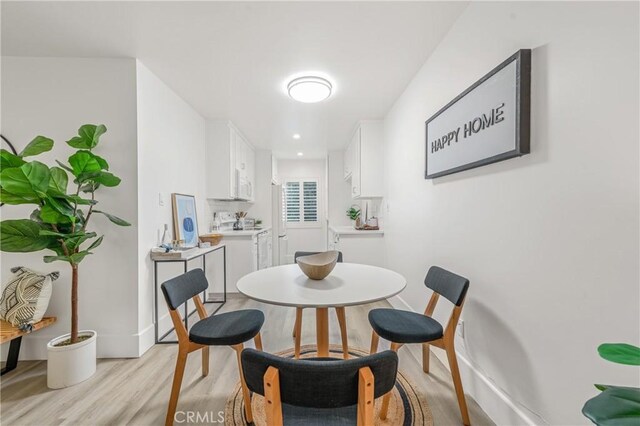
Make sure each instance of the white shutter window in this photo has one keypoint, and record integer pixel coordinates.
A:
(292, 201)
(301, 202)
(310, 201)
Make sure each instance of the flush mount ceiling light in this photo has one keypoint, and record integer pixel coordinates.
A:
(296, 135)
(309, 89)
(300, 154)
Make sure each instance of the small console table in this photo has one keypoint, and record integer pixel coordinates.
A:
(191, 255)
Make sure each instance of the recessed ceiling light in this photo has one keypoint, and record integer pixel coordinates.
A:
(296, 135)
(300, 154)
(309, 89)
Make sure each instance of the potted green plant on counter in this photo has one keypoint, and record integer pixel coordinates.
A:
(354, 215)
(616, 405)
(59, 223)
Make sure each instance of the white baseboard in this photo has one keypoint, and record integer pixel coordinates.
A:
(498, 405)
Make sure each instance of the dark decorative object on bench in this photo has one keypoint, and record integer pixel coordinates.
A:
(401, 327)
(227, 329)
(322, 391)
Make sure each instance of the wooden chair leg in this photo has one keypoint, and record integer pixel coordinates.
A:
(366, 398)
(425, 357)
(374, 343)
(246, 395)
(342, 320)
(387, 397)
(181, 361)
(205, 361)
(457, 383)
(258, 341)
(297, 332)
(298, 319)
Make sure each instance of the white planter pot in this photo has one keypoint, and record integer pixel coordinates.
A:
(72, 364)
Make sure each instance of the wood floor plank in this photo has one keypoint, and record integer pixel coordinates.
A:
(136, 391)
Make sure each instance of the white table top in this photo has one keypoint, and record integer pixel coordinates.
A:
(348, 284)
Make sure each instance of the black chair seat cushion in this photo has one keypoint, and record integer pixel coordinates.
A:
(297, 416)
(403, 326)
(231, 328)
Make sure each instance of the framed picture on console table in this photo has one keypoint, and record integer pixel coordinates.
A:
(486, 123)
(185, 219)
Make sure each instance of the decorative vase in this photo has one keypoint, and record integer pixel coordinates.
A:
(358, 223)
(71, 364)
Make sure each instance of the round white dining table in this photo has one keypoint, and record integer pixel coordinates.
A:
(349, 284)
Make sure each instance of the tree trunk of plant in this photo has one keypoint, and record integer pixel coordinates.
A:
(74, 304)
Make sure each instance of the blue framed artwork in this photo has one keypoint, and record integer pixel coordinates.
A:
(185, 219)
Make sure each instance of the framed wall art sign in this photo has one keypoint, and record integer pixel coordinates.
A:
(185, 220)
(486, 123)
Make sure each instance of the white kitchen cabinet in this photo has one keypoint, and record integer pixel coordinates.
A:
(230, 161)
(348, 160)
(365, 153)
(365, 247)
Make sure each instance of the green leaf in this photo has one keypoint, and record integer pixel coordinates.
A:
(64, 166)
(8, 198)
(49, 259)
(88, 136)
(77, 257)
(61, 204)
(615, 406)
(620, 353)
(48, 214)
(114, 219)
(89, 187)
(37, 146)
(96, 243)
(75, 242)
(9, 159)
(103, 163)
(59, 179)
(27, 181)
(602, 387)
(108, 179)
(81, 201)
(22, 236)
(83, 162)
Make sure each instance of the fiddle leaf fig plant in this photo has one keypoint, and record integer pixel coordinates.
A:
(64, 197)
(615, 405)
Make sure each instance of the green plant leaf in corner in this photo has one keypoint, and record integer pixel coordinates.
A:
(620, 353)
(88, 136)
(107, 179)
(615, 406)
(96, 243)
(49, 259)
(22, 236)
(38, 145)
(59, 179)
(9, 159)
(84, 162)
(114, 219)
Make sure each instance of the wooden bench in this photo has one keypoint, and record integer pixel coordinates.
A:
(9, 333)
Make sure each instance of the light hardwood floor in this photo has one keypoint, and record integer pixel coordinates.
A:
(136, 391)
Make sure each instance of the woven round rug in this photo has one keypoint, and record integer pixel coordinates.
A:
(408, 405)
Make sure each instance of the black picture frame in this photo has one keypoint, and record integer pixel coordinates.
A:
(523, 115)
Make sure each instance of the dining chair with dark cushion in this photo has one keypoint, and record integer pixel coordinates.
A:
(226, 329)
(402, 327)
(320, 391)
(340, 312)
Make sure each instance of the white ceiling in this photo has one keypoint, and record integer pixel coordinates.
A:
(231, 59)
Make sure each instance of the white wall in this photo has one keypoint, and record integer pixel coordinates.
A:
(53, 97)
(550, 240)
(306, 238)
(171, 159)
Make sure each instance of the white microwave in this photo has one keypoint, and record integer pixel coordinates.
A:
(244, 190)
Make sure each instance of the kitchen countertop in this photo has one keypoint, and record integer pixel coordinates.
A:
(245, 233)
(348, 230)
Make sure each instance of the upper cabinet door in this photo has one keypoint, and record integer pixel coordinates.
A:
(348, 161)
(274, 171)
